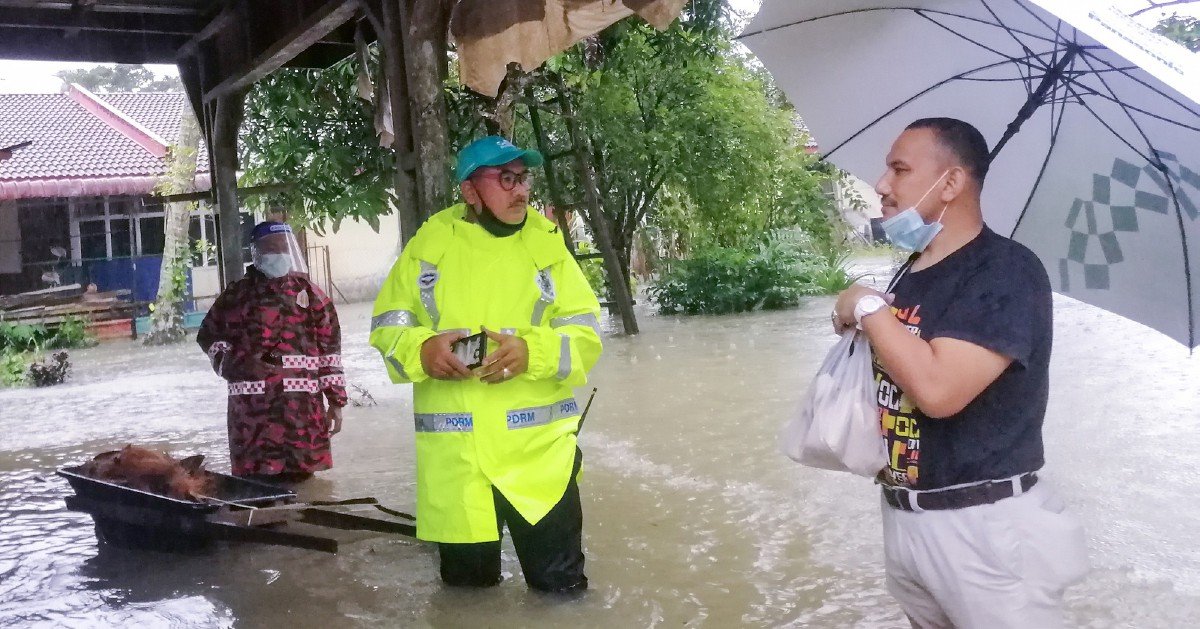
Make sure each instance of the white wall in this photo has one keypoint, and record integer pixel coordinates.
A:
(359, 258)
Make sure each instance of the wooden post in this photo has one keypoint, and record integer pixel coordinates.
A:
(426, 28)
(227, 120)
(595, 212)
(395, 69)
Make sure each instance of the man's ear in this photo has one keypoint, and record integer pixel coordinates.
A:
(955, 183)
(470, 194)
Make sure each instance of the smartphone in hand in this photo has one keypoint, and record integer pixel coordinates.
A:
(470, 350)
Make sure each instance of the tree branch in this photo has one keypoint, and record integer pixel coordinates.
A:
(1161, 5)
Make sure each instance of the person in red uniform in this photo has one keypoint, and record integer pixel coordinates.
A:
(274, 336)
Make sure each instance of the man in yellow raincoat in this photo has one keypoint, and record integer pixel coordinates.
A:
(495, 445)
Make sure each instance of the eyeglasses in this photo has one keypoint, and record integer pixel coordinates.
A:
(509, 179)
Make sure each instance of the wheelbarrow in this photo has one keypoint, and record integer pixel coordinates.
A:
(239, 510)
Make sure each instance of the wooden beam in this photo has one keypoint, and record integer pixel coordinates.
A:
(316, 26)
(88, 46)
(207, 195)
(184, 25)
(225, 126)
(226, 17)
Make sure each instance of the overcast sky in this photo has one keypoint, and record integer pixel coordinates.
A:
(38, 76)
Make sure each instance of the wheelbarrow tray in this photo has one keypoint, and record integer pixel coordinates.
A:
(133, 518)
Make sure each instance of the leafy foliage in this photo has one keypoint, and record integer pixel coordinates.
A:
(308, 128)
(121, 77)
(774, 274)
(688, 138)
(25, 337)
(1181, 28)
(12, 368)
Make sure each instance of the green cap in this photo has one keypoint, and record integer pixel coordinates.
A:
(493, 150)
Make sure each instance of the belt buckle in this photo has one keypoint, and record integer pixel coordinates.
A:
(902, 498)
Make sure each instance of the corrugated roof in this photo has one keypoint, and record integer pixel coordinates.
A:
(72, 144)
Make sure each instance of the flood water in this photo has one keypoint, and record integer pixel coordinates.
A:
(692, 517)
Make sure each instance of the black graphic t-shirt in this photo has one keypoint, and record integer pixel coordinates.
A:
(992, 292)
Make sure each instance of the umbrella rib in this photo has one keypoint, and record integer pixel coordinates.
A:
(911, 99)
(1094, 92)
(1148, 86)
(869, 10)
(1101, 120)
(1010, 33)
(1028, 53)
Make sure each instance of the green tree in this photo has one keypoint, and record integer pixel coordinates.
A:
(121, 77)
(685, 139)
(1181, 28)
(308, 128)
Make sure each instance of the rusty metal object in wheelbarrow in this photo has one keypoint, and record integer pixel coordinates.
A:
(234, 509)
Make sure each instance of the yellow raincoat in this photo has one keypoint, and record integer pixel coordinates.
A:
(519, 435)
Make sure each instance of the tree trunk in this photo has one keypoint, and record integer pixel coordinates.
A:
(425, 51)
(555, 190)
(166, 321)
(395, 71)
(601, 230)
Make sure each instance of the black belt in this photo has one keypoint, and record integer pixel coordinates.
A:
(982, 494)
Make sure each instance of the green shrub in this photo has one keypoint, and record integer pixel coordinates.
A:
(71, 333)
(26, 337)
(772, 276)
(12, 368)
(593, 268)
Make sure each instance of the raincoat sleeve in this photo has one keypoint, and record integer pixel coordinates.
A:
(567, 344)
(398, 322)
(328, 333)
(216, 337)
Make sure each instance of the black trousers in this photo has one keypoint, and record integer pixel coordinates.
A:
(550, 552)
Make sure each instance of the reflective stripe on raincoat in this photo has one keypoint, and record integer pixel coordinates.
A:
(519, 435)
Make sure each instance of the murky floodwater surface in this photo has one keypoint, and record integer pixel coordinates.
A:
(692, 518)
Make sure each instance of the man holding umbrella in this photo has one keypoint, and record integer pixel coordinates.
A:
(971, 537)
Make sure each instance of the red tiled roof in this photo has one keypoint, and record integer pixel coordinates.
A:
(80, 152)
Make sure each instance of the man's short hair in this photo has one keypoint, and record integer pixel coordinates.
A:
(964, 141)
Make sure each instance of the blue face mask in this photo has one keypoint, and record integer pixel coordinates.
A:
(908, 231)
(274, 265)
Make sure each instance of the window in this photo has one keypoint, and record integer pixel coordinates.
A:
(93, 241)
(152, 230)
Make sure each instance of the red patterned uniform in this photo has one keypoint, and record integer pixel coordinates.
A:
(278, 343)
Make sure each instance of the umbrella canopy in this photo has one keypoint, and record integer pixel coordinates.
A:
(1095, 124)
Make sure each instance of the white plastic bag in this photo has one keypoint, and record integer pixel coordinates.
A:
(837, 425)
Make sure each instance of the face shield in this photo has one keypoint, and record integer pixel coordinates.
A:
(275, 251)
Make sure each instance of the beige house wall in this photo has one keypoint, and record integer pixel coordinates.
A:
(359, 257)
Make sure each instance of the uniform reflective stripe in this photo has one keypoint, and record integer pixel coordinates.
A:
(257, 387)
(564, 358)
(427, 281)
(587, 319)
(542, 415)
(329, 360)
(393, 318)
(444, 422)
(391, 360)
(545, 283)
(335, 380)
(300, 385)
(298, 361)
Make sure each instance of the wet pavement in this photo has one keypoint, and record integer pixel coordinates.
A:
(692, 518)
